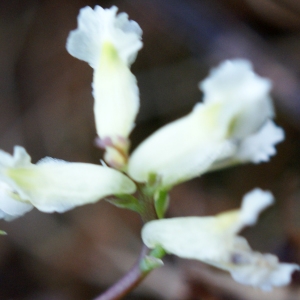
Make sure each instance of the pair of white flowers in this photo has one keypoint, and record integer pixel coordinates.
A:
(232, 125)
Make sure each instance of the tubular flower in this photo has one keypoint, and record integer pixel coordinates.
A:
(182, 149)
(109, 43)
(54, 185)
(236, 112)
(214, 240)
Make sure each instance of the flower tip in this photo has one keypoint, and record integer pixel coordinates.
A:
(98, 26)
(265, 273)
(253, 203)
(260, 146)
(228, 70)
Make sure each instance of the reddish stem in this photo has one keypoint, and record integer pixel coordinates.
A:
(128, 282)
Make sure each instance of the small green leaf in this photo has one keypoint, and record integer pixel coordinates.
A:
(153, 260)
(158, 252)
(126, 201)
(149, 263)
(2, 232)
(161, 203)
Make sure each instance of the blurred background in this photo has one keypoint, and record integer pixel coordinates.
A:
(46, 106)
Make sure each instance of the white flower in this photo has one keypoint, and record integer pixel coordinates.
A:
(55, 185)
(182, 149)
(214, 240)
(109, 43)
(231, 126)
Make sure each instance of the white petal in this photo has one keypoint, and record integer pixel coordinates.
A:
(245, 94)
(263, 271)
(260, 146)
(53, 185)
(189, 237)
(213, 240)
(98, 26)
(182, 149)
(253, 203)
(11, 205)
(84, 43)
(20, 158)
(116, 99)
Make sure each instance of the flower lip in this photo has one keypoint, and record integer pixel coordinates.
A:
(95, 27)
(245, 94)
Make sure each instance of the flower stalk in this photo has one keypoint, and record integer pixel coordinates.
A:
(146, 262)
(128, 282)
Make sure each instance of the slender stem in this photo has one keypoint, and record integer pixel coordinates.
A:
(128, 282)
(136, 274)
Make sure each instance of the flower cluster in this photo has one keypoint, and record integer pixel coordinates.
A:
(233, 124)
